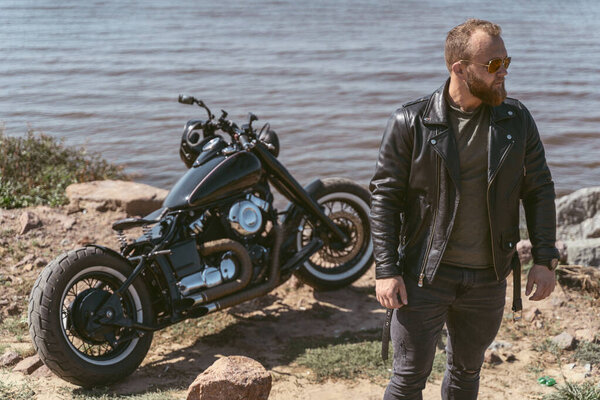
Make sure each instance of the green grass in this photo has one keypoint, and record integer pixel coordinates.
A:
(588, 352)
(346, 361)
(214, 326)
(15, 326)
(575, 391)
(439, 366)
(37, 168)
(545, 346)
(104, 394)
(351, 355)
(16, 392)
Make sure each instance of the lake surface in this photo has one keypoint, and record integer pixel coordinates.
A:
(325, 74)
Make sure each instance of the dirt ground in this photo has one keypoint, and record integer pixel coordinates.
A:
(263, 328)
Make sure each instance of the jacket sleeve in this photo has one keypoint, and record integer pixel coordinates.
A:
(537, 193)
(388, 192)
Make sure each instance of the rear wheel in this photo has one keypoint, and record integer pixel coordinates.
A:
(337, 264)
(65, 331)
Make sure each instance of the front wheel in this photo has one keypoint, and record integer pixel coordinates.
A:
(337, 264)
(65, 330)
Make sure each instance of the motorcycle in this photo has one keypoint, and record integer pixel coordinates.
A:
(217, 241)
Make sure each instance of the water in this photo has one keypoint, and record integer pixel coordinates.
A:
(325, 74)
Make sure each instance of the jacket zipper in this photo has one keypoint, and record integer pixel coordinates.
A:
(487, 195)
(437, 188)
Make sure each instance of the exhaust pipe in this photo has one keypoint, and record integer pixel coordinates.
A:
(237, 298)
(222, 245)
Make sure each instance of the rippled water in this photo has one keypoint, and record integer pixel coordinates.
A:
(325, 74)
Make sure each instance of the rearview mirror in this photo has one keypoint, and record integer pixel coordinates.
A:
(183, 99)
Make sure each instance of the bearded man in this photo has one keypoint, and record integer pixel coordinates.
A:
(451, 171)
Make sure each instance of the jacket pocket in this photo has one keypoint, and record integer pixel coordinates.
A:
(416, 221)
(509, 239)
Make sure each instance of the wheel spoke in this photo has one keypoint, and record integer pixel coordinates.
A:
(77, 335)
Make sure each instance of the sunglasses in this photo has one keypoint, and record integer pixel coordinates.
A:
(494, 64)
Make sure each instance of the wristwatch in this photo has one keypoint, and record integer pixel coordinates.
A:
(550, 264)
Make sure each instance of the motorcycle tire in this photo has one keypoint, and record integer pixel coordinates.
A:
(76, 281)
(337, 265)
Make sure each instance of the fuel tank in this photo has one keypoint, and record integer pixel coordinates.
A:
(215, 179)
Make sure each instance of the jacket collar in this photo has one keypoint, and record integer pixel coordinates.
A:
(444, 143)
(436, 112)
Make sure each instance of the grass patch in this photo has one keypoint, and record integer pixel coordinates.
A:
(16, 326)
(192, 329)
(575, 391)
(37, 168)
(346, 361)
(16, 392)
(349, 356)
(588, 352)
(104, 394)
(546, 346)
(439, 366)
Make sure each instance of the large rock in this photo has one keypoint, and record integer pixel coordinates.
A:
(564, 341)
(134, 198)
(578, 223)
(584, 252)
(232, 378)
(578, 214)
(9, 358)
(28, 365)
(28, 221)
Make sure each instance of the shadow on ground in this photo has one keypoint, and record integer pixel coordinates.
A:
(273, 330)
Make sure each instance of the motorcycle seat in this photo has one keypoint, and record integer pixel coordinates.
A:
(129, 223)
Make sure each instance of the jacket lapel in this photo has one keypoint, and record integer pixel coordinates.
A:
(500, 140)
(441, 138)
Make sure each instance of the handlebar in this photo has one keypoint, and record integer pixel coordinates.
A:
(243, 139)
(245, 136)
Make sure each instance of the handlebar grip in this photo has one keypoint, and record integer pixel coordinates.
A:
(244, 141)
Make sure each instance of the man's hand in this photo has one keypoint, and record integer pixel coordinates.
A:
(387, 291)
(544, 281)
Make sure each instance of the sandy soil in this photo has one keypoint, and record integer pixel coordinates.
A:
(262, 328)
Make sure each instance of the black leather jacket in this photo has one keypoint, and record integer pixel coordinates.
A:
(415, 189)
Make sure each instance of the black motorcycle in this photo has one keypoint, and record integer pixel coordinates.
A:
(217, 241)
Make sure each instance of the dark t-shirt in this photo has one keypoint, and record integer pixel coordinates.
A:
(470, 241)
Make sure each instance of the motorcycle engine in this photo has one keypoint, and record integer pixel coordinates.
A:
(245, 216)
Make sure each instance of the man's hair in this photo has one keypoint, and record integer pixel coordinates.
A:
(457, 41)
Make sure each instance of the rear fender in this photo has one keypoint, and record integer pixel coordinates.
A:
(293, 212)
(149, 277)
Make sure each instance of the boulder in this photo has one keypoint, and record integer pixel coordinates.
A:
(9, 358)
(564, 341)
(578, 224)
(232, 378)
(584, 252)
(492, 357)
(42, 372)
(28, 365)
(578, 214)
(134, 198)
(28, 221)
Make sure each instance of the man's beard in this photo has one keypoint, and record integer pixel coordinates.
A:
(487, 94)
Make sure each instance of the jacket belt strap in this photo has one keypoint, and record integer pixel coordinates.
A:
(385, 335)
(517, 305)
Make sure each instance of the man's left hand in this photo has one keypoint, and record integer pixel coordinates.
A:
(544, 281)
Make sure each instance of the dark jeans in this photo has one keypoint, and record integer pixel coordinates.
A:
(471, 303)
